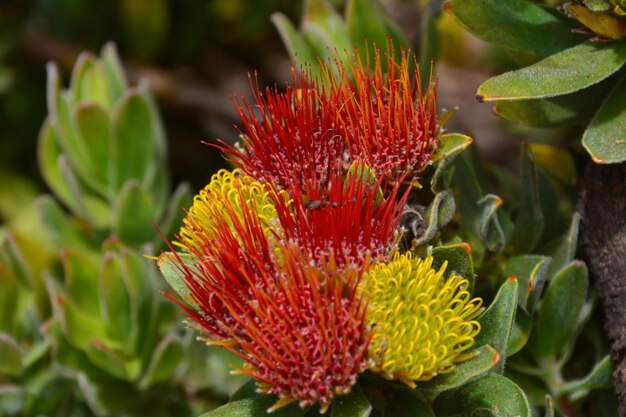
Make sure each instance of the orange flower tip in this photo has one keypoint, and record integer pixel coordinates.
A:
(531, 286)
(499, 201)
(280, 404)
(511, 278)
(597, 159)
(496, 358)
(447, 7)
(467, 247)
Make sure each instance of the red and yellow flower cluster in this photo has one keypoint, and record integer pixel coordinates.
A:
(296, 266)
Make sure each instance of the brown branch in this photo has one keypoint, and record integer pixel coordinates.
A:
(603, 208)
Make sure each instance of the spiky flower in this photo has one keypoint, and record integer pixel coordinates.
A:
(422, 321)
(300, 328)
(315, 128)
(385, 117)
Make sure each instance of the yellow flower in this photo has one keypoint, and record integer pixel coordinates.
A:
(222, 200)
(422, 322)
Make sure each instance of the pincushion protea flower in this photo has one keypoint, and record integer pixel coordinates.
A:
(299, 327)
(315, 128)
(422, 321)
(385, 117)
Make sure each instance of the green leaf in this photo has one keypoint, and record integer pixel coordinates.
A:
(9, 296)
(112, 70)
(180, 200)
(114, 299)
(496, 396)
(299, 50)
(490, 231)
(170, 265)
(496, 322)
(600, 377)
(405, 403)
(63, 231)
(133, 145)
(556, 162)
(324, 28)
(531, 272)
(368, 24)
(605, 138)
(166, 358)
(516, 24)
(80, 269)
(485, 360)
(529, 222)
(566, 110)
(440, 212)
(561, 308)
(255, 407)
(565, 250)
(520, 332)
(247, 390)
(566, 72)
(10, 356)
(132, 215)
(12, 258)
(92, 122)
(430, 41)
(459, 262)
(354, 404)
(87, 83)
(108, 359)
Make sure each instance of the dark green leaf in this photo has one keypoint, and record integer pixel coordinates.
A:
(255, 407)
(354, 404)
(605, 138)
(165, 360)
(600, 377)
(516, 24)
(247, 390)
(531, 272)
(459, 262)
(180, 200)
(324, 28)
(529, 222)
(560, 311)
(114, 299)
(132, 214)
(565, 251)
(566, 72)
(430, 41)
(490, 231)
(495, 395)
(520, 332)
(439, 214)
(107, 358)
(496, 322)
(403, 403)
(486, 358)
(299, 50)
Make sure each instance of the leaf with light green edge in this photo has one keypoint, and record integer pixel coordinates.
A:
(9, 296)
(256, 407)
(112, 70)
(170, 266)
(48, 393)
(565, 250)
(79, 328)
(440, 212)
(560, 310)
(533, 386)
(108, 359)
(600, 377)
(92, 123)
(484, 360)
(172, 220)
(247, 390)
(62, 229)
(605, 138)
(520, 332)
(12, 258)
(407, 404)
(449, 146)
(495, 395)
(549, 406)
(459, 262)
(468, 192)
(566, 110)
(10, 356)
(299, 50)
(80, 269)
(531, 272)
(516, 24)
(368, 24)
(497, 320)
(133, 139)
(114, 299)
(88, 83)
(132, 213)
(354, 404)
(566, 72)
(48, 153)
(529, 222)
(324, 28)
(167, 356)
(490, 232)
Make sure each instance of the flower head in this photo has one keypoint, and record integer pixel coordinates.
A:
(422, 321)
